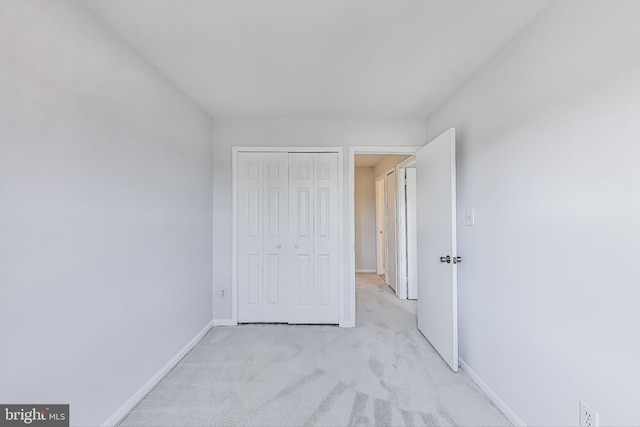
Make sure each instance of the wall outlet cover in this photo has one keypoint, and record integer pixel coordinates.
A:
(588, 417)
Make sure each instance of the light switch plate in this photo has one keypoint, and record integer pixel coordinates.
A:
(470, 216)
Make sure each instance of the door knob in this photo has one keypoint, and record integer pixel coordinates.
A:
(278, 246)
(446, 259)
(297, 246)
(457, 259)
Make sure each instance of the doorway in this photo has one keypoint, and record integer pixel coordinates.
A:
(380, 194)
(435, 165)
(381, 219)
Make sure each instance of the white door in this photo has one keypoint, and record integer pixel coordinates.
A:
(391, 257)
(436, 231)
(314, 239)
(412, 237)
(380, 221)
(262, 237)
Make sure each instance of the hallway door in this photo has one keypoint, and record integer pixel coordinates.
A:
(437, 264)
(391, 272)
(380, 222)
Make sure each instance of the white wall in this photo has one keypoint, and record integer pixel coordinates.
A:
(365, 218)
(548, 156)
(105, 213)
(290, 133)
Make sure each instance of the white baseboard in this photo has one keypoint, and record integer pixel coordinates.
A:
(131, 403)
(364, 270)
(516, 420)
(224, 322)
(349, 324)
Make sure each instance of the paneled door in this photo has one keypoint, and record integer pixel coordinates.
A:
(262, 182)
(288, 242)
(313, 219)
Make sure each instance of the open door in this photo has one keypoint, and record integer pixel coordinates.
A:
(411, 233)
(437, 253)
(380, 221)
(391, 256)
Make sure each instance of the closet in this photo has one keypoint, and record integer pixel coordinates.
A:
(287, 237)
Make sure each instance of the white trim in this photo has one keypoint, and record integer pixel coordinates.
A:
(365, 270)
(137, 397)
(407, 163)
(341, 286)
(224, 322)
(236, 149)
(506, 410)
(234, 238)
(353, 150)
(401, 231)
(213, 239)
(401, 235)
(234, 242)
(381, 264)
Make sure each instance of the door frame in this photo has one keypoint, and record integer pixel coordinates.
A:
(401, 234)
(384, 178)
(234, 241)
(380, 221)
(353, 150)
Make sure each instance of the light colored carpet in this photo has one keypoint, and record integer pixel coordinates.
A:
(382, 373)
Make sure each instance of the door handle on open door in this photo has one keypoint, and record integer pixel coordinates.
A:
(457, 259)
(446, 259)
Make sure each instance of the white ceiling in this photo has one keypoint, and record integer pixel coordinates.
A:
(356, 59)
(367, 160)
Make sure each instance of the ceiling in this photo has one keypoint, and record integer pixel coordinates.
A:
(372, 160)
(345, 59)
(367, 160)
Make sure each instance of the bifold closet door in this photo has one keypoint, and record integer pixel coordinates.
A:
(313, 219)
(262, 198)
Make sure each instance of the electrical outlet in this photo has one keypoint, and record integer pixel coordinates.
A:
(588, 417)
(223, 292)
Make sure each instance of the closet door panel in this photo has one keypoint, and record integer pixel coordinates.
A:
(326, 239)
(313, 190)
(287, 215)
(275, 236)
(262, 183)
(301, 236)
(249, 210)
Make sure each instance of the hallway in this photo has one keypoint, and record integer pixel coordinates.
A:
(383, 372)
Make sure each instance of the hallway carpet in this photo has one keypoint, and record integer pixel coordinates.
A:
(381, 373)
